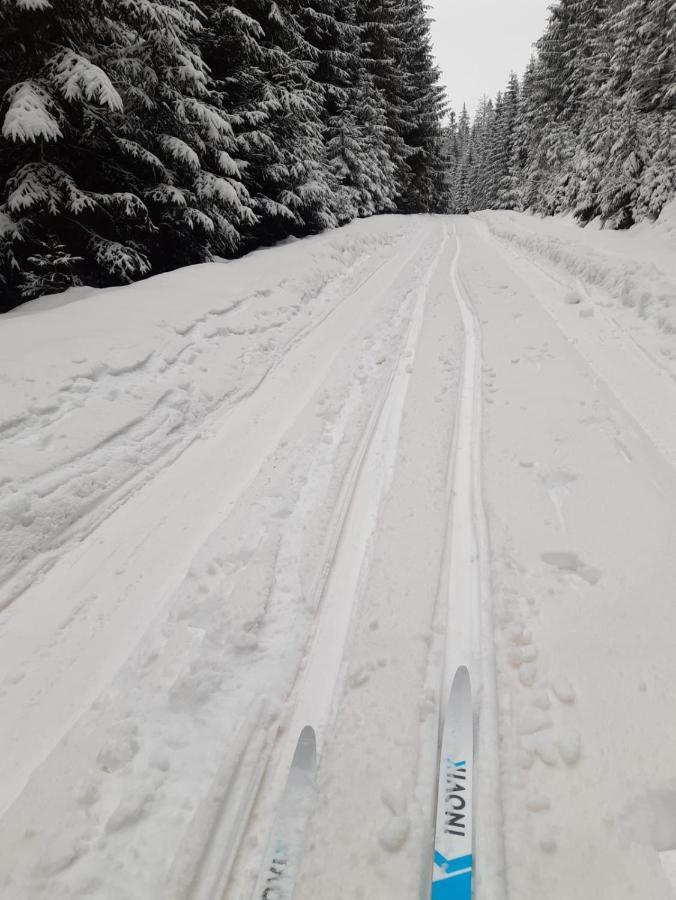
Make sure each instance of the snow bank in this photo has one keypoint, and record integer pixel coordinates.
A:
(667, 220)
(634, 269)
(100, 387)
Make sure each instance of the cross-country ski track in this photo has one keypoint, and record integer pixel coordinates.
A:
(301, 490)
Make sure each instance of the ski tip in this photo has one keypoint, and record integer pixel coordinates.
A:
(305, 756)
(462, 685)
(462, 675)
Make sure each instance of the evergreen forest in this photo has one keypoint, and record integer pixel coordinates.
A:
(138, 136)
(590, 129)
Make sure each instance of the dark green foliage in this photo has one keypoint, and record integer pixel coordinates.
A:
(113, 148)
(142, 135)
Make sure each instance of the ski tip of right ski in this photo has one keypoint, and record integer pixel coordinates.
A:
(461, 681)
(305, 756)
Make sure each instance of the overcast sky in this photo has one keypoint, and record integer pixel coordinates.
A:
(478, 43)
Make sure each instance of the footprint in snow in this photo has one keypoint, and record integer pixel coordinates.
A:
(650, 819)
(120, 749)
(565, 561)
(130, 810)
(558, 479)
(394, 833)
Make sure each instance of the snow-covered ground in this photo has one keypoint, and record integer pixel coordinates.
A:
(300, 488)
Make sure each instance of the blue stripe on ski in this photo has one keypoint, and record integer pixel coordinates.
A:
(453, 865)
(461, 763)
(455, 887)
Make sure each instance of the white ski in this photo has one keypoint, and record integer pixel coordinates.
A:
(287, 838)
(452, 871)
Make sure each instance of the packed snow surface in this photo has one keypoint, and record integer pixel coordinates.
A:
(300, 488)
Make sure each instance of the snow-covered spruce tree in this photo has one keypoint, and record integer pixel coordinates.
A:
(657, 181)
(482, 127)
(382, 24)
(642, 75)
(653, 84)
(395, 49)
(356, 130)
(593, 137)
(459, 185)
(332, 33)
(115, 161)
(495, 161)
(644, 56)
(596, 117)
(450, 157)
(523, 141)
(262, 65)
(553, 82)
(358, 158)
(424, 107)
(506, 190)
(483, 172)
(623, 167)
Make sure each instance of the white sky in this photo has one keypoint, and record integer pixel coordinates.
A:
(478, 43)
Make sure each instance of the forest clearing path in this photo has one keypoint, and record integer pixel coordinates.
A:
(437, 460)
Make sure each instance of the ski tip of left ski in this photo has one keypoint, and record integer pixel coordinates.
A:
(305, 755)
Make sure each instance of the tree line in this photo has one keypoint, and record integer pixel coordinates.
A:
(138, 136)
(589, 129)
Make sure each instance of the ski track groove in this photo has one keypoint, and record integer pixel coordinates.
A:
(96, 513)
(216, 859)
(358, 509)
(661, 432)
(235, 810)
(468, 593)
(470, 628)
(223, 422)
(215, 856)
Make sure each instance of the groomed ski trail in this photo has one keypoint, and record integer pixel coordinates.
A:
(468, 596)
(580, 486)
(347, 357)
(316, 691)
(318, 549)
(469, 629)
(363, 495)
(265, 761)
(50, 698)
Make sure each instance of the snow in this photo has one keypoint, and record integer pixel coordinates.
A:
(580, 541)
(296, 488)
(28, 116)
(78, 79)
(635, 270)
(129, 377)
(180, 151)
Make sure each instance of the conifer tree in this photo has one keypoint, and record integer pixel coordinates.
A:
(263, 67)
(355, 128)
(424, 108)
(115, 159)
(506, 190)
(592, 130)
(141, 135)
(382, 24)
